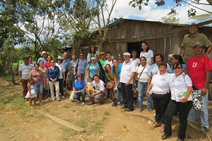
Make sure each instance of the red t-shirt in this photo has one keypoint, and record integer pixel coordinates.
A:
(47, 65)
(197, 70)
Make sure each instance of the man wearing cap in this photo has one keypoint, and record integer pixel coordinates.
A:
(101, 66)
(126, 78)
(191, 38)
(199, 68)
(44, 58)
(80, 66)
(109, 59)
(67, 66)
(23, 73)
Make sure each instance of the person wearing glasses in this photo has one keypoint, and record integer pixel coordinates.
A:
(80, 66)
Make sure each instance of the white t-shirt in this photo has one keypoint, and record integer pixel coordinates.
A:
(148, 55)
(126, 71)
(62, 69)
(90, 85)
(179, 85)
(107, 62)
(98, 86)
(136, 61)
(160, 83)
(144, 76)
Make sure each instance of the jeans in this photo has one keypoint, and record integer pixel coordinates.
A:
(127, 96)
(44, 93)
(38, 87)
(51, 85)
(204, 113)
(99, 97)
(61, 86)
(82, 94)
(183, 109)
(25, 88)
(142, 88)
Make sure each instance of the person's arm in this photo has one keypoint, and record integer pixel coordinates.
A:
(86, 72)
(69, 68)
(98, 71)
(207, 79)
(44, 80)
(149, 81)
(185, 99)
(30, 74)
(131, 77)
(29, 86)
(182, 52)
(149, 88)
(135, 77)
(19, 74)
(94, 94)
(209, 50)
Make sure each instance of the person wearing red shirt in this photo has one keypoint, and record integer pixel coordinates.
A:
(47, 64)
(199, 69)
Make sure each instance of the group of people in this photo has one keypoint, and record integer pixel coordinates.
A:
(100, 75)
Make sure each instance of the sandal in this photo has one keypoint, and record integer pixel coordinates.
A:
(161, 129)
(155, 125)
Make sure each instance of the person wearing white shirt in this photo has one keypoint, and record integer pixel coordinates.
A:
(99, 90)
(62, 75)
(160, 94)
(181, 101)
(126, 79)
(134, 58)
(109, 59)
(147, 53)
(142, 77)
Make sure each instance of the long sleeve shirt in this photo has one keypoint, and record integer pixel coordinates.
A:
(53, 73)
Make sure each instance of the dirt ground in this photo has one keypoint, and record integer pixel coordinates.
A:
(18, 122)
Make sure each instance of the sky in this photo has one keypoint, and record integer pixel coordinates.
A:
(154, 13)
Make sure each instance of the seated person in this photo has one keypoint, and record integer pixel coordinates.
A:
(90, 86)
(79, 89)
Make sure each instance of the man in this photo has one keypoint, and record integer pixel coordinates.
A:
(44, 58)
(191, 38)
(109, 59)
(67, 66)
(134, 58)
(199, 69)
(80, 66)
(23, 73)
(73, 63)
(126, 78)
(102, 67)
(98, 90)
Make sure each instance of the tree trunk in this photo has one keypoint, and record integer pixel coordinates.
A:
(11, 72)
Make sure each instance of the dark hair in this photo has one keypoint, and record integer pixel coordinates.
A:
(25, 58)
(108, 52)
(95, 76)
(41, 60)
(94, 50)
(179, 58)
(162, 64)
(36, 64)
(142, 57)
(147, 49)
(49, 55)
(106, 69)
(177, 64)
(114, 65)
(158, 54)
(59, 59)
(52, 60)
(134, 50)
(119, 54)
(29, 57)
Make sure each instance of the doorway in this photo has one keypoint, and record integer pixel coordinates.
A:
(134, 46)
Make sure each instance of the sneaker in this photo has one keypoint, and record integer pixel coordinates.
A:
(204, 129)
(91, 103)
(83, 103)
(78, 101)
(63, 97)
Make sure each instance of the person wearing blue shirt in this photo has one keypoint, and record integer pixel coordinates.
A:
(80, 66)
(79, 89)
(44, 58)
(67, 66)
(93, 68)
(177, 59)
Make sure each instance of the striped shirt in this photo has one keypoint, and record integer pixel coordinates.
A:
(25, 70)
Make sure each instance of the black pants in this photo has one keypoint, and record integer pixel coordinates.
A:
(160, 103)
(183, 109)
(127, 96)
(66, 73)
(61, 86)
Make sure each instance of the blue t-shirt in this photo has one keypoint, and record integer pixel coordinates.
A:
(155, 68)
(93, 69)
(78, 86)
(118, 71)
(172, 71)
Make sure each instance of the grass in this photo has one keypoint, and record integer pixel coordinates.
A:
(83, 122)
(68, 134)
(97, 126)
(2, 124)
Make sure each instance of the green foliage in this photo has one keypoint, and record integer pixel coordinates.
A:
(170, 19)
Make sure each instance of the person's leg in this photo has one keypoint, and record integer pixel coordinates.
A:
(129, 97)
(25, 88)
(117, 90)
(76, 96)
(40, 89)
(204, 112)
(100, 97)
(51, 86)
(192, 115)
(148, 99)
(83, 94)
(140, 95)
(184, 109)
(35, 99)
(163, 103)
(57, 90)
(123, 91)
(66, 72)
(30, 102)
(61, 86)
(157, 108)
(43, 94)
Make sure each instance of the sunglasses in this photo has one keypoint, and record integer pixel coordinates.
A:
(177, 68)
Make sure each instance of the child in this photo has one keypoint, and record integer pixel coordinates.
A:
(90, 89)
(31, 94)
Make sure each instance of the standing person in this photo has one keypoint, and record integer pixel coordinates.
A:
(44, 57)
(179, 84)
(92, 68)
(120, 59)
(110, 76)
(73, 63)
(191, 38)
(109, 59)
(142, 77)
(39, 81)
(177, 59)
(53, 74)
(160, 94)
(48, 62)
(67, 66)
(126, 79)
(23, 73)
(79, 89)
(44, 70)
(30, 61)
(99, 91)
(199, 69)
(117, 70)
(31, 94)
(134, 58)
(91, 53)
(59, 64)
(147, 53)
(80, 66)
(101, 66)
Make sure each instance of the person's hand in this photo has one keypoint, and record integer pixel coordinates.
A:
(44, 86)
(183, 100)
(20, 80)
(156, 72)
(69, 73)
(128, 83)
(92, 95)
(204, 91)
(30, 94)
(74, 73)
(147, 93)
(134, 85)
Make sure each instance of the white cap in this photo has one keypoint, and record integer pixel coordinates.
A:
(93, 58)
(126, 54)
(43, 52)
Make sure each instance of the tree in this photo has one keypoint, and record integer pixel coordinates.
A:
(171, 18)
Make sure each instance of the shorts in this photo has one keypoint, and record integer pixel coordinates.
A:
(90, 89)
(38, 87)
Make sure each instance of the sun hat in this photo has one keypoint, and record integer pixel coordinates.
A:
(102, 53)
(199, 43)
(93, 58)
(78, 75)
(43, 52)
(60, 58)
(126, 54)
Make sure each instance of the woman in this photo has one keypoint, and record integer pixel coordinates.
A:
(48, 64)
(39, 81)
(142, 77)
(44, 70)
(91, 53)
(79, 88)
(177, 59)
(117, 70)
(62, 75)
(146, 52)
(110, 78)
(53, 74)
(181, 101)
(160, 94)
(120, 59)
(30, 60)
(92, 68)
